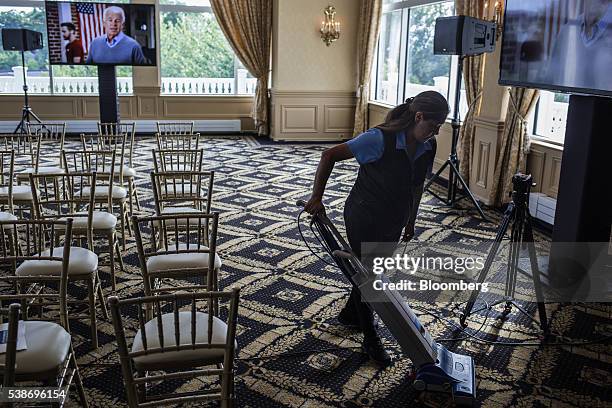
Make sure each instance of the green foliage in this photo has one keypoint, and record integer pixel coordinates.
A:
(26, 17)
(424, 65)
(193, 45)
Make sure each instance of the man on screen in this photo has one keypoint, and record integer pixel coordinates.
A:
(581, 56)
(114, 47)
(74, 48)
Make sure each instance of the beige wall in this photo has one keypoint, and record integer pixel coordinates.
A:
(301, 61)
(313, 86)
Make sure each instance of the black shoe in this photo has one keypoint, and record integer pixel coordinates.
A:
(349, 321)
(374, 348)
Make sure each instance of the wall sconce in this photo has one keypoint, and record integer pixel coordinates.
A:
(498, 16)
(330, 28)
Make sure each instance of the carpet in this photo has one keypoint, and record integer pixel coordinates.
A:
(292, 350)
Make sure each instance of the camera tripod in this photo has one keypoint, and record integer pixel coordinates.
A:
(453, 160)
(26, 112)
(521, 234)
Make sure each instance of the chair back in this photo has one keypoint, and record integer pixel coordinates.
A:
(123, 128)
(7, 175)
(116, 143)
(61, 196)
(11, 314)
(177, 141)
(101, 162)
(25, 146)
(50, 135)
(177, 160)
(174, 190)
(179, 326)
(36, 240)
(176, 235)
(175, 128)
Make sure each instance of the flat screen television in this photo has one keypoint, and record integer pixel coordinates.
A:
(101, 33)
(558, 45)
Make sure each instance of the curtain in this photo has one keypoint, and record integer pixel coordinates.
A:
(473, 78)
(247, 25)
(369, 28)
(514, 143)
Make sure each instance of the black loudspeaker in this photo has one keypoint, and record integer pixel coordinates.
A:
(463, 35)
(21, 39)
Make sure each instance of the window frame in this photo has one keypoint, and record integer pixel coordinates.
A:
(405, 7)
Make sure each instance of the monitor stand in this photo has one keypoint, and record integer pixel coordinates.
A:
(107, 90)
(584, 202)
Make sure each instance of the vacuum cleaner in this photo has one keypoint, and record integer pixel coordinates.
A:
(437, 369)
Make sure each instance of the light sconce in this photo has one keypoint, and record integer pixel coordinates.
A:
(330, 28)
(498, 16)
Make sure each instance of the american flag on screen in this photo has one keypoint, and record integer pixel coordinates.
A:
(90, 20)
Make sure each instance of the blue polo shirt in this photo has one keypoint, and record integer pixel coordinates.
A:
(369, 146)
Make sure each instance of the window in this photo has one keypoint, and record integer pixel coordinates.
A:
(29, 15)
(196, 58)
(67, 79)
(550, 115)
(405, 64)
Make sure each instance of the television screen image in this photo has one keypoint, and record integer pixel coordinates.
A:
(560, 45)
(100, 33)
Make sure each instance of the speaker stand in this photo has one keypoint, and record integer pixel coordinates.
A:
(26, 112)
(453, 160)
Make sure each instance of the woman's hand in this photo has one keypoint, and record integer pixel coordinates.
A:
(408, 232)
(314, 205)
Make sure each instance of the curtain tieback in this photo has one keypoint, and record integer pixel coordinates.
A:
(522, 119)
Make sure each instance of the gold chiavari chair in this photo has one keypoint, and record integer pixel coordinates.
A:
(7, 162)
(127, 168)
(49, 357)
(59, 196)
(173, 254)
(182, 341)
(52, 137)
(102, 162)
(176, 136)
(177, 160)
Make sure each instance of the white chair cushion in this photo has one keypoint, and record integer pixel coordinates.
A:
(101, 220)
(42, 170)
(20, 193)
(6, 216)
(102, 191)
(48, 346)
(82, 261)
(198, 357)
(127, 171)
(183, 260)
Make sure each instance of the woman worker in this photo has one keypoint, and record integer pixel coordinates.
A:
(394, 159)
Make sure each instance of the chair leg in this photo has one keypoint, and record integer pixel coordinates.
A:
(100, 294)
(122, 215)
(127, 221)
(135, 193)
(119, 257)
(131, 196)
(111, 256)
(92, 311)
(78, 382)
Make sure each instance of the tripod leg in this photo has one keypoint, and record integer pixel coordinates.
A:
(503, 228)
(21, 128)
(467, 191)
(535, 273)
(435, 176)
(36, 117)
